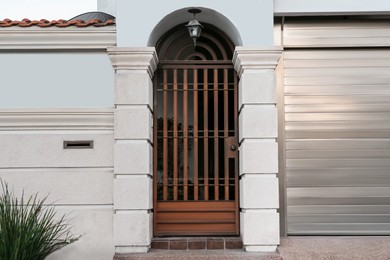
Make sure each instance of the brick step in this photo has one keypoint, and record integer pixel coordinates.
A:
(233, 254)
(197, 243)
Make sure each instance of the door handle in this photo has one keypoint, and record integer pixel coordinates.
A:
(231, 147)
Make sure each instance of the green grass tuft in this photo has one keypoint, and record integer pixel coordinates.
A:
(29, 230)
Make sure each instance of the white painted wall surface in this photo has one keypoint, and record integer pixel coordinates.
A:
(333, 7)
(135, 22)
(107, 6)
(56, 79)
(78, 182)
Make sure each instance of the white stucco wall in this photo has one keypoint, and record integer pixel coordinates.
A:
(332, 7)
(56, 79)
(135, 22)
(78, 182)
(106, 6)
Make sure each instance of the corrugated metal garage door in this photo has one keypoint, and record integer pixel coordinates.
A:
(337, 140)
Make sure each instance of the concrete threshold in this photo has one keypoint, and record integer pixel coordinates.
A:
(199, 254)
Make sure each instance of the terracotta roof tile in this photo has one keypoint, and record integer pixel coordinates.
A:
(58, 23)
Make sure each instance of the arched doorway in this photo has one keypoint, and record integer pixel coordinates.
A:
(195, 135)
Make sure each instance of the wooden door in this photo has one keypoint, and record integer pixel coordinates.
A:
(195, 143)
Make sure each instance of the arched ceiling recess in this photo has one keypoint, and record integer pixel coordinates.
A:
(207, 16)
(213, 44)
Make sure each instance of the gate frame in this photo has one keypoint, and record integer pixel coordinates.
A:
(209, 64)
(133, 159)
(176, 52)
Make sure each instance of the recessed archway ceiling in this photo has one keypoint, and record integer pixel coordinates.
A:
(213, 44)
(207, 16)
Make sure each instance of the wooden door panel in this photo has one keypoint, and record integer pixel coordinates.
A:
(196, 218)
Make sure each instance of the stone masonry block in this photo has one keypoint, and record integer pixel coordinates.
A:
(259, 191)
(257, 88)
(133, 157)
(133, 228)
(133, 123)
(133, 193)
(133, 88)
(260, 248)
(258, 121)
(131, 249)
(259, 227)
(258, 156)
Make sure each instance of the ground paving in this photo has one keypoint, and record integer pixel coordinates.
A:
(335, 248)
(291, 248)
(201, 255)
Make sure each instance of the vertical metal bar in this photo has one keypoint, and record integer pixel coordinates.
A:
(206, 134)
(196, 182)
(226, 129)
(216, 136)
(175, 136)
(185, 134)
(165, 136)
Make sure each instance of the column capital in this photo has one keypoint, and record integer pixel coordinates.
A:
(134, 58)
(256, 58)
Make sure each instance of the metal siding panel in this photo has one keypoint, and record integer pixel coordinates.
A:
(326, 107)
(335, 56)
(340, 209)
(340, 229)
(320, 33)
(337, 130)
(343, 100)
(335, 154)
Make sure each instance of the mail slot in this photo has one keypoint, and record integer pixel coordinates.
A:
(83, 144)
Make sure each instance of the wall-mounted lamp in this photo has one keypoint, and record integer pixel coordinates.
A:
(193, 26)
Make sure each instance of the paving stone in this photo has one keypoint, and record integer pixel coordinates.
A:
(233, 243)
(215, 243)
(196, 244)
(178, 244)
(160, 244)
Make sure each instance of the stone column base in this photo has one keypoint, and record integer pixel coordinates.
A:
(260, 248)
(130, 249)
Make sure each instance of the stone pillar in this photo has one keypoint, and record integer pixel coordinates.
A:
(258, 117)
(133, 160)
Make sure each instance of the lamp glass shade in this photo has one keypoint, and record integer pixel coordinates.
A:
(194, 29)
